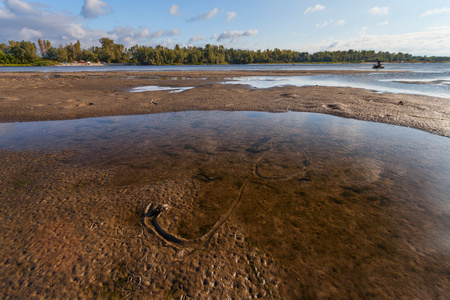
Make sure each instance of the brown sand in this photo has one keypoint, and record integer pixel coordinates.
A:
(74, 231)
(36, 97)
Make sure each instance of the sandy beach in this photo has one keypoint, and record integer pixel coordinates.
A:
(60, 96)
(74, 228)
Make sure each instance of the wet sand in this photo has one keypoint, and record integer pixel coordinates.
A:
(38, 97)
(74, 228)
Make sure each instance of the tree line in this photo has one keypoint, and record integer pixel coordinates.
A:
(26, 53)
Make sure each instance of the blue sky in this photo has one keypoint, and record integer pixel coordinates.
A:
(416, 27)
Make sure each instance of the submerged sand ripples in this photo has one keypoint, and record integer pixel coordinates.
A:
(267, 205)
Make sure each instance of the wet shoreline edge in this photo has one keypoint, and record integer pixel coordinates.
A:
(61, 96)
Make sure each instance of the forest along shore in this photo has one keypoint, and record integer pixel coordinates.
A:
(60, 96)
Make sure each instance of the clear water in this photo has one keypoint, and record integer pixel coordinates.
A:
(317, 189)
(212, 133)
(174, 145)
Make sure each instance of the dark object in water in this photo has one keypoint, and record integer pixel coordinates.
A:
(378, 65)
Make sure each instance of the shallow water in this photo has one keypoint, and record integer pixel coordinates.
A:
(360, 198)
(435, 84)
(213, 133)
(205, 136)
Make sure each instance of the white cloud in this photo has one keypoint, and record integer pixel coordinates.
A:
(230, 15)
(379, 10)
(20, 7)
(94, 8)
(174, 10)
(236, 34)
(324, 24)
(18, 21)
(27, 34)
(196, 38)
(435, 11)
(24, 22)
(168, 44)
(318, 7)
(5, 14)
(76, 31)
(205, 16)
(383, 23)
(213, 37)
(434, 41)
(331, 22)
(130, 36)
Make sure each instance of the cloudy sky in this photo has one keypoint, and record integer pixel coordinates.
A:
(412, 26)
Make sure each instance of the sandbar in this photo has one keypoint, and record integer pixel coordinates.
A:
(60, 96)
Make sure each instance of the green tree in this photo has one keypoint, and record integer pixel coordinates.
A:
(52, 53)
(61, 54)
(119, 53)
(89, 55)
(77, 51)
(23, 52)
(6, 58)
(107, 51)
(70, 50)
(44, 45)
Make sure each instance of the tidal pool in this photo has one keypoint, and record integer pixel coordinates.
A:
(363, 204)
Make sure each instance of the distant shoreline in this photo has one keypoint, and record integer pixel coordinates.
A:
(251, 64)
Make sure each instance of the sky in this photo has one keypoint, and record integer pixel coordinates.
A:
(408, 26)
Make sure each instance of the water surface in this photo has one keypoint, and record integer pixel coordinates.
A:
(184, 142)
(404, 67)
(435, 84)
(230, 130)
(358, 204)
